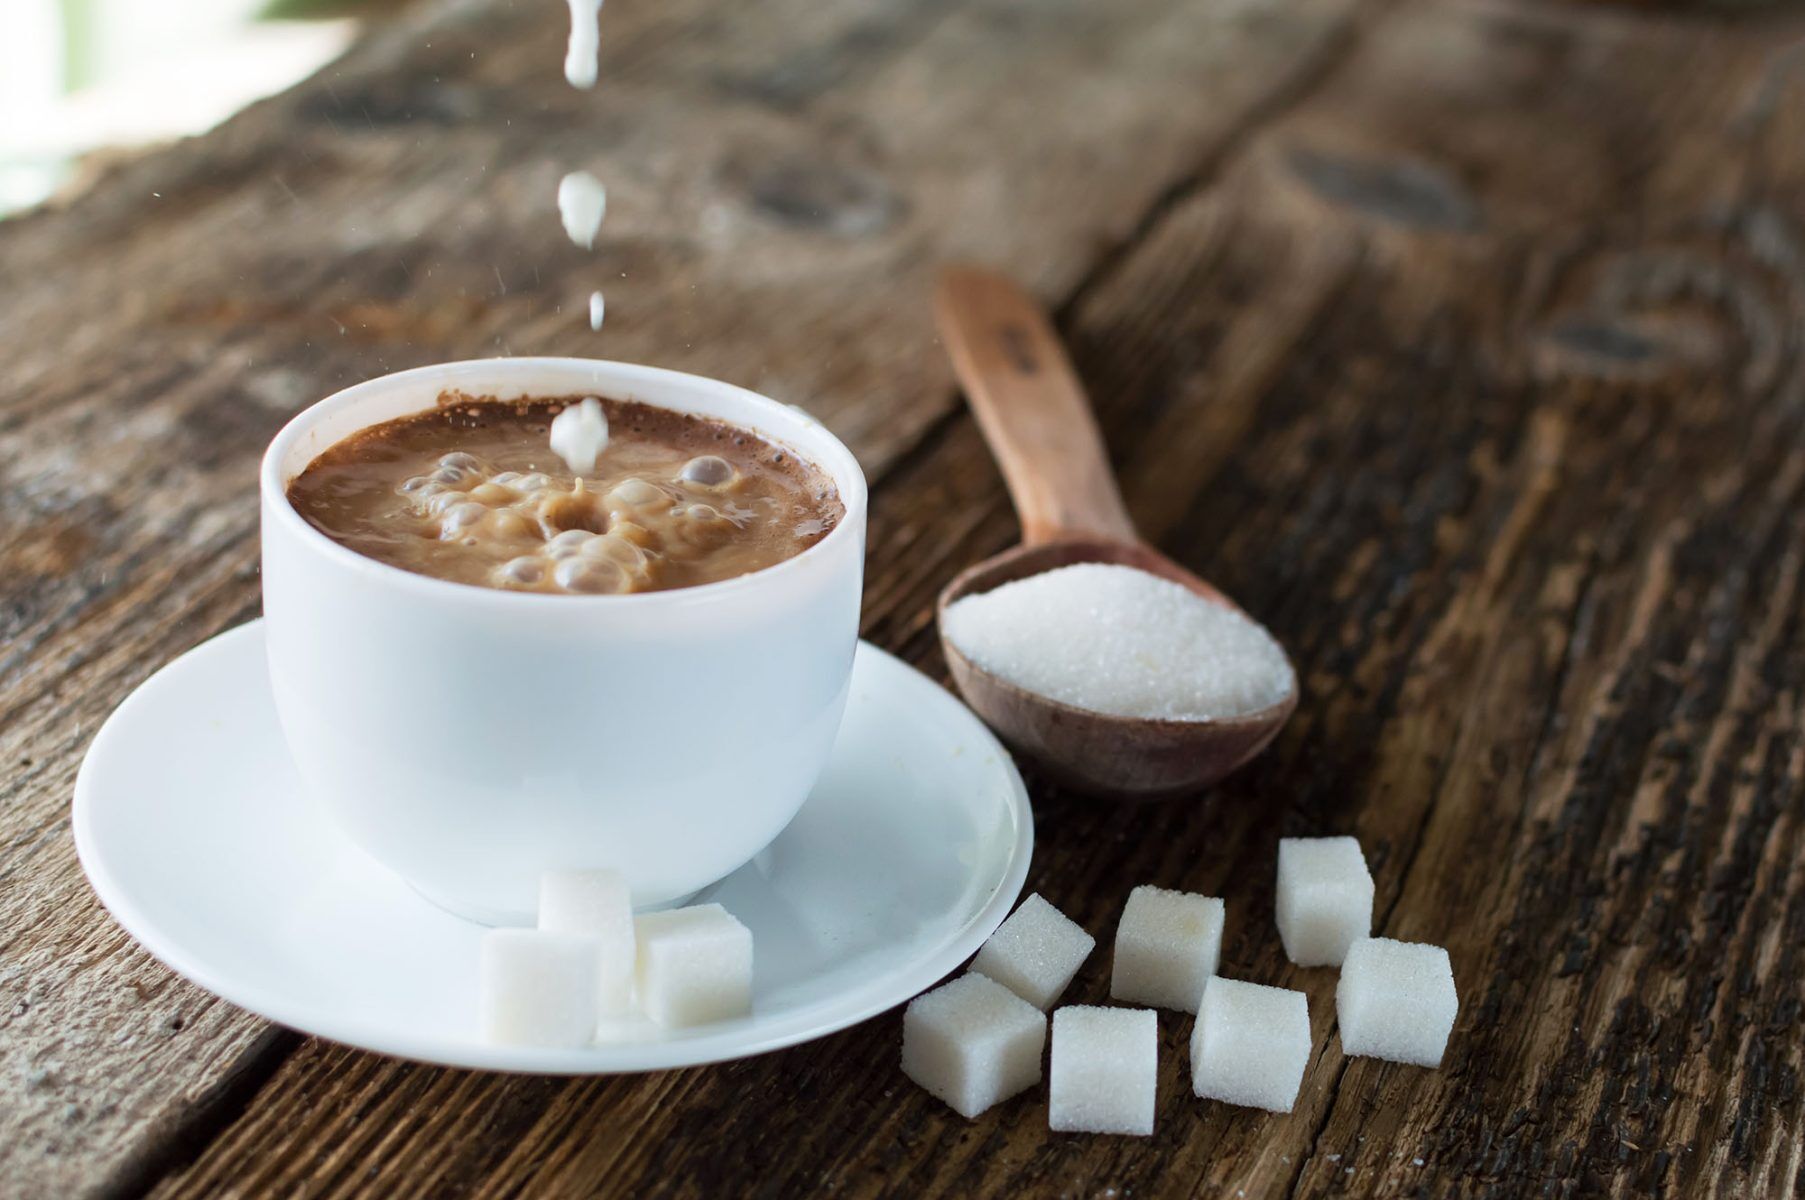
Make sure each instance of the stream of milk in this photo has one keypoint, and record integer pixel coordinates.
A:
(579, 59)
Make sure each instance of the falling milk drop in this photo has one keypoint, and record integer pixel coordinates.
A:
(581, 202)
(579, 59)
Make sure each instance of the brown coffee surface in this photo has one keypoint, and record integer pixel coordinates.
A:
(471, 492)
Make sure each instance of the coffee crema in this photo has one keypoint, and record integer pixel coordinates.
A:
(471, 492)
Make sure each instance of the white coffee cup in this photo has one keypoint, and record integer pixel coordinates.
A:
(471, 738)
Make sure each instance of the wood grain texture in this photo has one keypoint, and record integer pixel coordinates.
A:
(1459, 341)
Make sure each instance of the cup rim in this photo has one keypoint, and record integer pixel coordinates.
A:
(847, 475)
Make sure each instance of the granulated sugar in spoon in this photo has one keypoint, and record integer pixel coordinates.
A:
(1117, 671)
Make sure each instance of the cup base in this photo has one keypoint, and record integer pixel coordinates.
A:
(506, 919)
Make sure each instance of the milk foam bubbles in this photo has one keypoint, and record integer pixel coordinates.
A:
(582, 202)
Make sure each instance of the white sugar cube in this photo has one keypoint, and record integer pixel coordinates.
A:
(1167, 945)
(695, 965)
(1250, 1045)
(1396, 1001)
(1035, 952)
(1105, 1070)
(538, 988)
(973, 1042)
(1325, 899)
(596, 904)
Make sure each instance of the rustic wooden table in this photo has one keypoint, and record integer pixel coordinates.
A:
(1460, 341)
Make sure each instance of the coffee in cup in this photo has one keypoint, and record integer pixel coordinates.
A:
(471, 491)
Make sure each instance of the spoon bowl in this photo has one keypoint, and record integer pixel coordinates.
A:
(1124, 758)
(1034, 415)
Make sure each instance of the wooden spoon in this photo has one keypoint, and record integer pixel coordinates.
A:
(1033, 412)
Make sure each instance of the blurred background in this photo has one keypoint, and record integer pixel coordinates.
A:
(85, 81)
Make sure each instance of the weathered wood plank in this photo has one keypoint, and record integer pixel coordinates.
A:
(1623, 758)
(783, 178)
(1479, 377)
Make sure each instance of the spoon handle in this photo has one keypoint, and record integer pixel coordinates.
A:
(1031, 408)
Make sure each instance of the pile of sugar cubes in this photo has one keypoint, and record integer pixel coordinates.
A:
(590, 961)
(978, 1039)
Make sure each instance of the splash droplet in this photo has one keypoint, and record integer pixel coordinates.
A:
(579, 434)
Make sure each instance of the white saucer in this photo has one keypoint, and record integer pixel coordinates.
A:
(192, 828)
